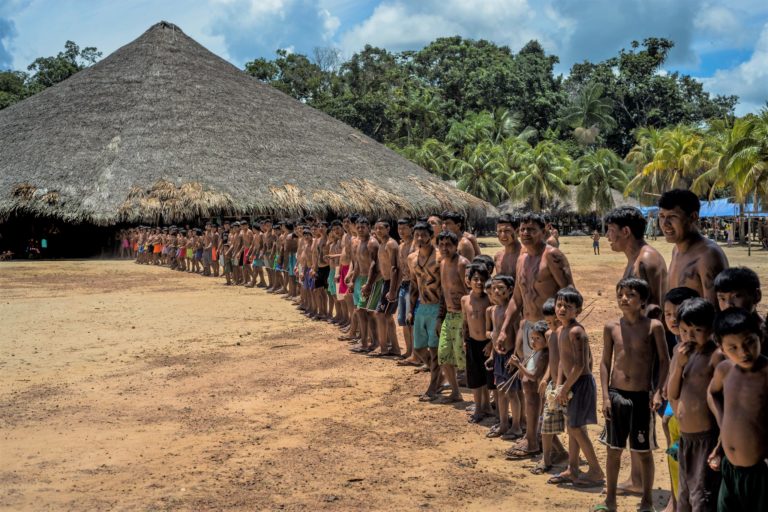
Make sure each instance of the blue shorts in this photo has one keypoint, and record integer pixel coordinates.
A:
(403, 302)
(291, 263)
(425, 326)
(357, 291)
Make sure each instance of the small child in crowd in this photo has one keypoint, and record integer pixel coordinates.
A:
(478, 347)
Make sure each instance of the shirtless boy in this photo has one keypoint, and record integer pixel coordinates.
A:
(425, 291)
(596, 242)
(692, 368)
(738, 397)
(477, 345)
(405, 232)
(291, 247)
(505, 260)
(364, 246)
(501, 293)
(320, 270)
(345, 266)
(576, 391)
(454, 222)
(696, 260)
(739, 287)
(450, 352)
(553, 236)
(382, 294)
(630, 346)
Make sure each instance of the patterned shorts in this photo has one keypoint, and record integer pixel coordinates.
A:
(553, 417)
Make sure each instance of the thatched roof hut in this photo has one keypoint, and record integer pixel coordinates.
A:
(164, 130)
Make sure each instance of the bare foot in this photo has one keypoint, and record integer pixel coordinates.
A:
(628, 487)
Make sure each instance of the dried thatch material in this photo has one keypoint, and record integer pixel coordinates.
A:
(162, 129)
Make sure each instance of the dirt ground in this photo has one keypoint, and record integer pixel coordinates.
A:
(125, 387)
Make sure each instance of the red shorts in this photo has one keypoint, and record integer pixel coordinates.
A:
(342, 288)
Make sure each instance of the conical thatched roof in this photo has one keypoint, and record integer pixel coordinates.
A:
(163, 128)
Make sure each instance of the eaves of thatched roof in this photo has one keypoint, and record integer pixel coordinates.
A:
(164, 129)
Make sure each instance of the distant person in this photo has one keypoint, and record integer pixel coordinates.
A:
(596, 242)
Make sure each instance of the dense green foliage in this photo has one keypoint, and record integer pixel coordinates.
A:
(504, 126)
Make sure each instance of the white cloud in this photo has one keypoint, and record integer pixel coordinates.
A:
(749, 80)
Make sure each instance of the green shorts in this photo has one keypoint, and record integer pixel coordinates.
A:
(425, 326)
(357, 296)
(450, 349)
(375, 297)
(332, 282)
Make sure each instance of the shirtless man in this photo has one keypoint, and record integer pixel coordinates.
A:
(253, 250)
(553, 236)
(207, 252)
(453, 269)
(267, 252)
(405, 232)
(349, 326)
(247, 258)
(505, 260)
(365, 246)
(385, 276)
(320, 270)
(696, 260)
(426, 291)
(630, 346)
(291, 246)
(215, 236)
(236, 252)
(454, 222)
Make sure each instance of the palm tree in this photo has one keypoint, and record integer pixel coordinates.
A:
(682, 154)
(589, 112)
(433, 155)
(475, 128)
(541, 175)
(482, 173)
(596, 174)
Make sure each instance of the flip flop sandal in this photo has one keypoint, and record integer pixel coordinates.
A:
(426, 398)
(511, 436)
(584, 483)
(476, 418)
(518, 454)
(559, 479)
(541, 468)
(495, 431)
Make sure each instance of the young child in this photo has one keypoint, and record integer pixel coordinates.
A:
(501, 291)
(576, 390)
(478, 347)
(738, 397)
(630, 346)
(596, 242)
(553, 414)
(531, 372)
(671, 303)
(739, 287)
(693, 366)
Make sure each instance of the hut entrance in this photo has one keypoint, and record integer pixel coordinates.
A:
(40, 237)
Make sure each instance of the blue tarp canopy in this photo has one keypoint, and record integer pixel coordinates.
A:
(718, 208)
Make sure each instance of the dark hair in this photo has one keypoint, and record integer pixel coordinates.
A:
(473, 269)
(405, 222)
(570, 295)
(507, 218)
(486, 260)
(696, 311)
(353, 217)
(534, 218)
(635, 284)
(362, 220)
(456, 217)
(548, 309)
(541, 327)
(335, 223)
(290, 225)
(736, 321)
(680, 294)
(737, 279)
(450, 235)
(383, 221)
(685, 199)
(488, 283)
(509, 281)
(630, 217)
(423, 226)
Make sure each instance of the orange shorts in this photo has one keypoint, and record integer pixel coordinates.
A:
(214, 254)
(136, 247)
(157, 249)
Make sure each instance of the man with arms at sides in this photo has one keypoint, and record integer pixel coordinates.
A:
(696, 260)
(505, 260)
(541, 271)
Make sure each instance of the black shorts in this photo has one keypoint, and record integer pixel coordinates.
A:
(699, 485)
(631, 417)
(321, 277)
(582, 407)
(386, 307)
(477, 375)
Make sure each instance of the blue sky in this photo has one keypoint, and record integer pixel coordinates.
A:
(724, 43)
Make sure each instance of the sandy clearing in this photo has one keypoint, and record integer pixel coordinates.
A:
(127, 387)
